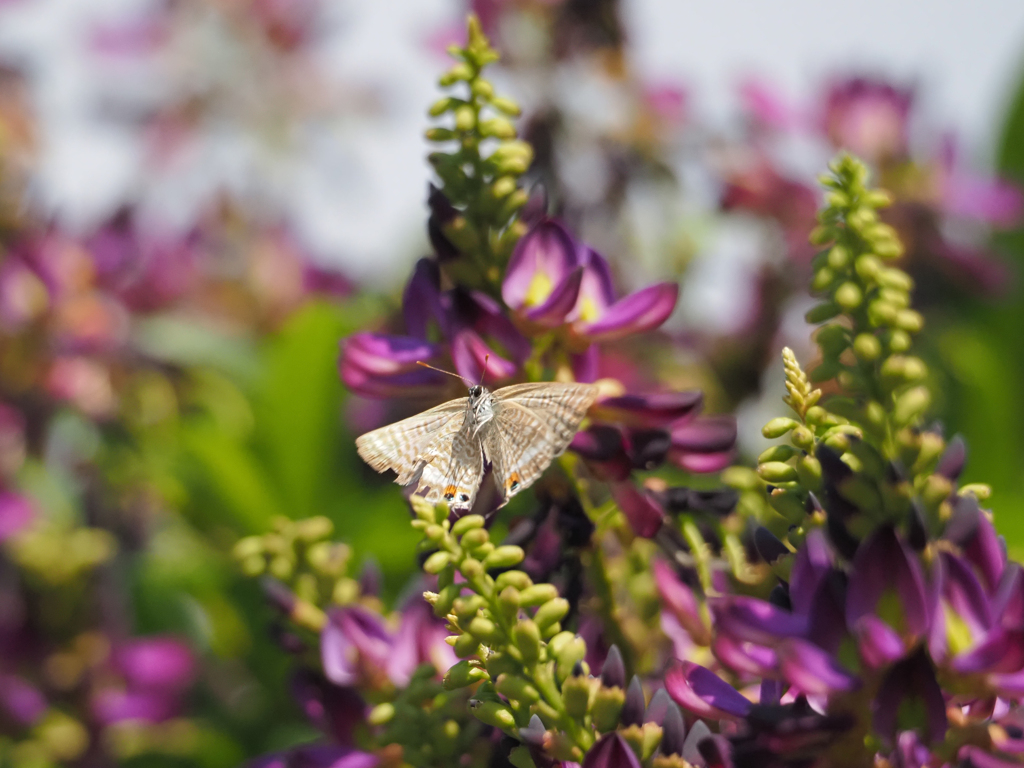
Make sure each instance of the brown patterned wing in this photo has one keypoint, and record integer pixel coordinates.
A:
(406, 445)
(452, 470)
(536, 423)
(561, 406)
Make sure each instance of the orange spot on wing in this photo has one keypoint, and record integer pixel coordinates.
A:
(513, 481)
(449, 491)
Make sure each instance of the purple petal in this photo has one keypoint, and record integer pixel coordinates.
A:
(605, 452)
(380, 354)
(114, 706)
(868, 117)
(702, 463)
(161, 663)
(490, 320)
(988, 200)
(476, 361)
(596, 292)
(746, 658)
(813, 560)
(553, 312)
(884, 566)
(421, 301)
(710, 434)
(611, 751)
(1002, 651)
(953, 459)
(879, 644)
(813, 671)
(422, 382)
(702, 692)
(650, 411)
(353, 634)
(336, 710)
(1008, 601)
(317, 757)
(681, 602)
(542, 260)
(963, 591)
(586, 365)
(756, 621)
(641, 311)
(22, 701)
(613, 671)
(979, 757)
(16, 514)
(912, 680)
(420, 639)
(642, 511)
(767, 106)
(985, 551)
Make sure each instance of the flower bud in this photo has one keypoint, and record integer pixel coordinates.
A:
(550, 612)
(777, 453)
(504, 557)
(445, 600)
(482, 88)
(471, 568)
(441, 106)
(838, 255)
(498, 127)
(537, 594)
(606, 708)
(494, 714)
(517, 579)
(910, 321)
(778, 427)
(849, 296)
(526, 637)
(466, 608)
(483, 629)
(474, 538)
(517, 689)
(507, 106)
(463, 674)
(911, 404)
(822, 312)
(382, 713)
(465, 118)
(437, 562)
(466, 646)
(568, 656)
(777, 472)
(867, 347)
(467, 523)
(576, 693)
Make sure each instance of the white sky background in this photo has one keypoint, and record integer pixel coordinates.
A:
(358, 190)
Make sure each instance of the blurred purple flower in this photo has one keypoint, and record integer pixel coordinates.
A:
(868, 117)
(649, 411)
(910, 699)
(704, 444)
(317, 757)
(113, 705)
(20, 700)
(420, 640)
(611, 751)
(702, 692)
(379, 366)
(642, 510)
(155, 663)
(16, 514)
(680, 600)
(354, 643)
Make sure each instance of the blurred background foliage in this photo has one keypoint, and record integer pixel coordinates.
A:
(219, 427)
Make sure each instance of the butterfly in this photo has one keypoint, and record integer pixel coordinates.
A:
(518, 430)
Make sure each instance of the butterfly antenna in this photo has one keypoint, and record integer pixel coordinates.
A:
(442, 370)
(483, 371)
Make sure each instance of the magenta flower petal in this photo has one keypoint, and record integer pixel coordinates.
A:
(642, 511)
(756, 621)
(16, 514)
(419, 640)
(611, 751)
(978, 757)
(964, 593)
(605, 452)
(680, 601)
(553, 312)
(642, 311)
(812, 562)
(1008, 601)
(476, 361)
(811, 670)
(1002, 651)
(541, 261)
(910, 699)
(985, 551)
(381, 354)
(746, 658)
(353, 635)
(650, 411)
(421, 301)
(20, 700)
(879, 644)
(597, 291)
(318, 757)
(988, 200)
(114, 706)
(160, 663)
(702, 692)
(882, 566)
(702, 463)
(710, 434)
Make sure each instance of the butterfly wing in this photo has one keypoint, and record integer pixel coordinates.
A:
(404, 445)
(452, 468)
(535, 424)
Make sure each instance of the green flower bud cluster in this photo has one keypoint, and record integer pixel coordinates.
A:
(428, 721)
(57, 556)
(299, 555)
(57, 739)
(482, 185)
(508, 633)
(873, 424)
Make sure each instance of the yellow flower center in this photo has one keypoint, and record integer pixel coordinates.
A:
(539, 290)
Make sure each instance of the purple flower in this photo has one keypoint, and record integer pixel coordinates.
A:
(155, 663)
(702, 692)
(354, 644)
(868, 117)
(552, 280)
(379, 366)
(16, 514)
(420, 640)
(336, 710)
(644, 513)
(910, 699)
(887, 583)
(809, 669)
(604, 449)
(611, 751)
(318, 757)
(704, 444)
(679, 600)
(113, 705)
(20, 700)
(648, 411)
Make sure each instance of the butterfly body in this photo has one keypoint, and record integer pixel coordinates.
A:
(444, 451)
